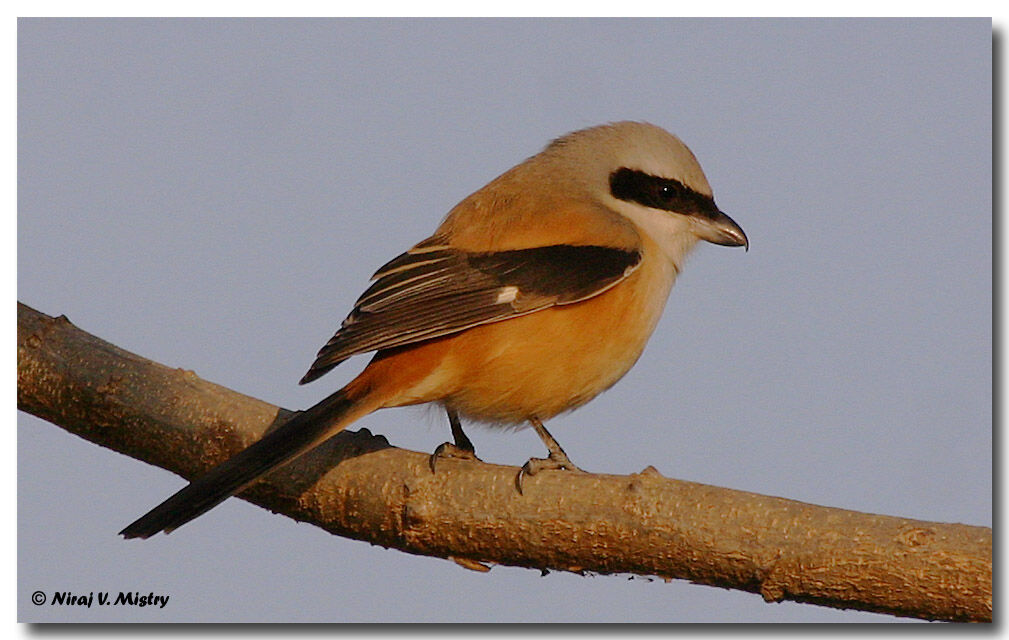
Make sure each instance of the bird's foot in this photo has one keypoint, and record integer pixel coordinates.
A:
(557, 460)
(449, 450)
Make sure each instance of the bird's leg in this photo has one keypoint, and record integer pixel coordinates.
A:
(462, 449)
(556, 459)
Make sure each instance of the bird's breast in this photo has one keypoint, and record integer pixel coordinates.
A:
(554, 360)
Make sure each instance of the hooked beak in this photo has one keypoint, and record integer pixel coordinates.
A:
(721, 229)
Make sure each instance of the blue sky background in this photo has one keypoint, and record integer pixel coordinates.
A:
(214, 194)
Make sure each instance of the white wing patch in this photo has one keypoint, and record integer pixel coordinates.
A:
(506, 295)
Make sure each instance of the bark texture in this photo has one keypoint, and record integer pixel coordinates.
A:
(359, 486)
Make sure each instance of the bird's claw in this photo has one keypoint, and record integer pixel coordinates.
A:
(449, 450)
(557, 460)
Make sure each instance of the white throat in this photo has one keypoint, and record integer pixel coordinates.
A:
(673, 233)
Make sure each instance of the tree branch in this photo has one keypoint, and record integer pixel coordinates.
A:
(358, 486)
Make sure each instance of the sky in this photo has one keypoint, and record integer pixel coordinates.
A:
(215, 194)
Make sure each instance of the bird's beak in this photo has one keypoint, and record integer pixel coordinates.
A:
(721, 229)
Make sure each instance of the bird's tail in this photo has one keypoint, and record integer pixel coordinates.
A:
(302, 432)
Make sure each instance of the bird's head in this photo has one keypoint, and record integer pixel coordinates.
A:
(647, 175)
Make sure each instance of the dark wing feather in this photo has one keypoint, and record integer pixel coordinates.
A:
(435, 291)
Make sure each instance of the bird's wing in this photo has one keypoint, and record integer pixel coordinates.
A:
(435, 290)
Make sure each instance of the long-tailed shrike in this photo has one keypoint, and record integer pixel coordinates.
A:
(535, 294)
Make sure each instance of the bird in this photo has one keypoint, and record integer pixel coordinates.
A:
(535, 294)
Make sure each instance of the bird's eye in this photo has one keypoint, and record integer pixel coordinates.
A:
(668, 192)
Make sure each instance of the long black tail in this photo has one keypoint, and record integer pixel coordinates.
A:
(302, 432)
